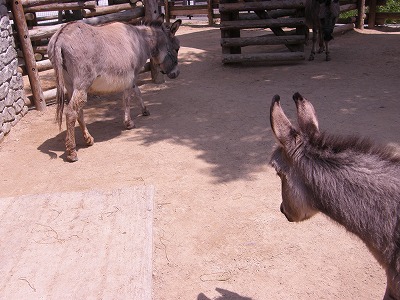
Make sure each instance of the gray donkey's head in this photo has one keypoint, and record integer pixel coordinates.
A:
(165, 52)
(297, 198)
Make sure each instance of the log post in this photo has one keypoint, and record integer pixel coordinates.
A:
(229, 33)
(151, 13)
(167, 12)
(29, 57)
(372, 14)
(210, 12)
(361, 13)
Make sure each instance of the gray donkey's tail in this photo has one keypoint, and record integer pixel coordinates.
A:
(55, 55)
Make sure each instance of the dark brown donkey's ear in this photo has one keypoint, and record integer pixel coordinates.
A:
(160, 18)
(306, 115)
(283, 130)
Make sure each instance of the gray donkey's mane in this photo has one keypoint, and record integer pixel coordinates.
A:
(359, 173)
(326, 145)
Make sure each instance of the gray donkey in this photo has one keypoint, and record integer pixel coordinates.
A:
(355, 183)
(106, 59)
(321, 17)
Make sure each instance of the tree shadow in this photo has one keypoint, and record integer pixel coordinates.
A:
(225, 295)
(226, 121)
(108, 125)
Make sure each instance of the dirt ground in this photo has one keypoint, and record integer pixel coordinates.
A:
(205, 148)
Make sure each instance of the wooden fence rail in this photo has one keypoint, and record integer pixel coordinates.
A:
(285, 20)
(61, 6)
(183, 8)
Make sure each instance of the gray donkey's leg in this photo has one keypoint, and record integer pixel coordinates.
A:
(75, 105)
(127, 96)
(127, 100)
(89, 140)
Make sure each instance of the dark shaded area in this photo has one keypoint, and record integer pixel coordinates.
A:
(225, 295)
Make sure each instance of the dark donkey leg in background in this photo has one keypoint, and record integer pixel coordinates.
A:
(138, 96)
(316, 36)
(127, 96)
(326, 35)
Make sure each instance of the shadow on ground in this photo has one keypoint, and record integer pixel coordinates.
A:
(225, 295)
(222, 112)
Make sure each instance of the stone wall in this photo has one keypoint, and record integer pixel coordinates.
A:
(12, 97)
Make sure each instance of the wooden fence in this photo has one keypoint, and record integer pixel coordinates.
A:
(284, 18)
(190, 8)
(378, 18)
(34, 32)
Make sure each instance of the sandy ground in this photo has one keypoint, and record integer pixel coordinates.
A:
(218, 231)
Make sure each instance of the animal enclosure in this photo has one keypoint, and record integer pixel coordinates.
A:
(283, 18)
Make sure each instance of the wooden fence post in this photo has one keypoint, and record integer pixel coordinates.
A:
(371, 14)
(167, 13)
(230, 33)
(361, 13)
(210, 12)
(151, 13)
(29, 56)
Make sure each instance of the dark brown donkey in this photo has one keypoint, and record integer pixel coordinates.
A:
(321, 17)
(352, 181)
(106, 59)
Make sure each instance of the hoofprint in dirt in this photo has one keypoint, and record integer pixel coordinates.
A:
(205, 148)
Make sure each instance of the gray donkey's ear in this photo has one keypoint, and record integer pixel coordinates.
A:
(281, 126)
(175, 26)
(306, 115)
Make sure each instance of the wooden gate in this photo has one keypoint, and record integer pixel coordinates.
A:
(237, 17)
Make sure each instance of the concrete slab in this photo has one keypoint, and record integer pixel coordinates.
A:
(77, 245)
